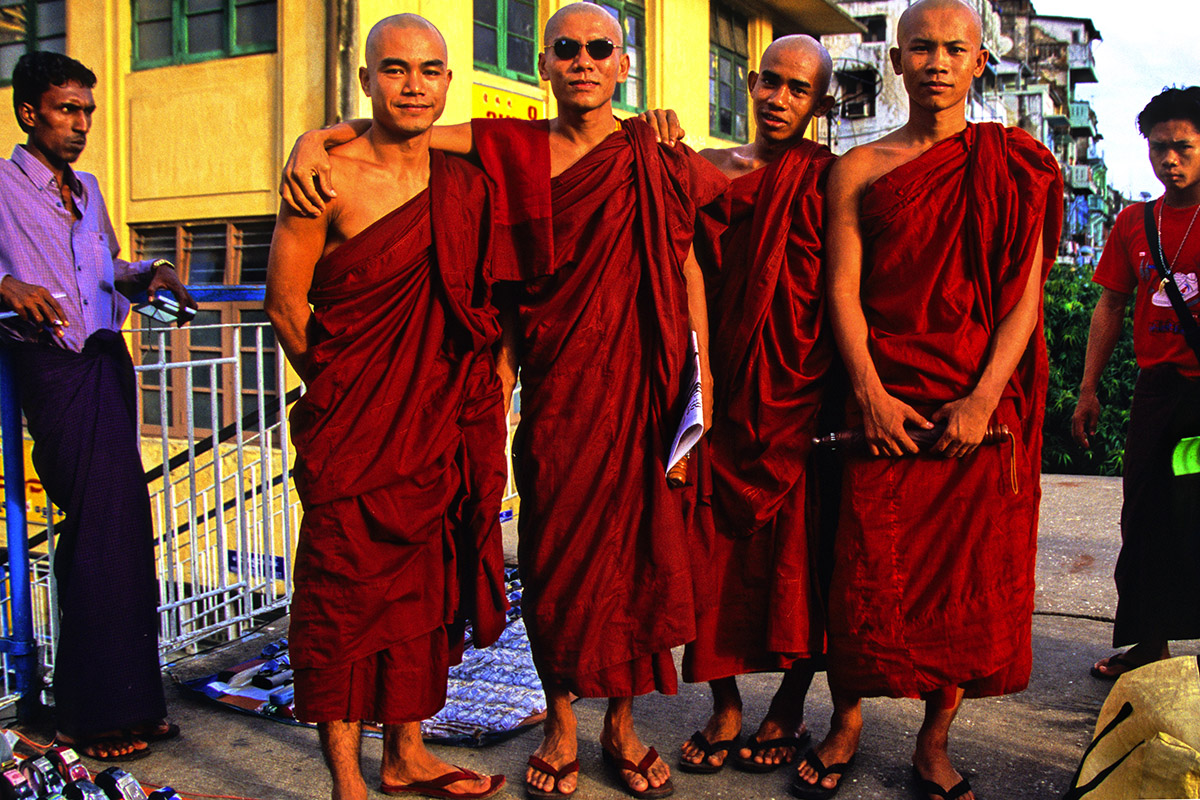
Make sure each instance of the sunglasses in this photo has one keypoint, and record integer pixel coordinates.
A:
(567, 49)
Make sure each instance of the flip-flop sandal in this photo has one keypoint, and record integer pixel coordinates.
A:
(815, 791)
(437, 786)
(748, 764)
(557, 774)
(1116, 659)
(617, 765)
(935, 790)
(701, 743)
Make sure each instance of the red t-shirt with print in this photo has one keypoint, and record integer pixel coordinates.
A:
(1127, 266)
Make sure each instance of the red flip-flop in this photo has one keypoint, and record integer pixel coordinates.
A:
(557, 774)
(437, 786)
(617, 765)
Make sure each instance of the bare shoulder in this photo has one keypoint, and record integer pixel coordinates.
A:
(719, 157)
(853, 171)
(865, 164)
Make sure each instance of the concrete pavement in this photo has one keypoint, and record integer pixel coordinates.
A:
(1021, 747)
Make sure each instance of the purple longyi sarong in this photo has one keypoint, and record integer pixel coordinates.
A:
(81, 411)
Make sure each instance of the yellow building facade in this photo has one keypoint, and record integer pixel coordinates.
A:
(200, 100)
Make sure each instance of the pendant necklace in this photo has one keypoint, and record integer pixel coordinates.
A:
(1170, 265)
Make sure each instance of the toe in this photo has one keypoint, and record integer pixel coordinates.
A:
(568, 783)
(635, 781)
(660, 773)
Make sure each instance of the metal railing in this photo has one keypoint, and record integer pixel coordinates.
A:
(226, 515)
(225, 512)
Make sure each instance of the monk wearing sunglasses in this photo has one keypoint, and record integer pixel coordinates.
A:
(594, 224)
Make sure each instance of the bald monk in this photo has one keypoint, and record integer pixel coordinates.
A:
(940, 236)
(400, 537)
(770, 355)
(598, 221)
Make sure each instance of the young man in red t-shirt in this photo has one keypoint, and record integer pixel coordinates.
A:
(1158, 598)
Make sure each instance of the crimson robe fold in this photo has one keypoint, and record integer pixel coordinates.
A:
(933, 582)
(400, 436)
(770, 353)
(603, 327)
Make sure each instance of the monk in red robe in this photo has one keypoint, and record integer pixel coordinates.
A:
(770, 355)
(594, 226)
(399, 438)
(940, 237)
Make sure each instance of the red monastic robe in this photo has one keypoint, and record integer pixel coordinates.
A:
(770, 353)
(602, 323)
(933, 582)
(400, 436)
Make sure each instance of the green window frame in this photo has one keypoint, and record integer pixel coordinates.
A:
(168, 32)
(27, 26)
(729, 65)
(631, 15)
(506, 38)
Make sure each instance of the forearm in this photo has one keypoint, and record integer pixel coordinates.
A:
(698, 317)
(291, 320)
(1103, 335)
(344, 131)
(506, 358)
(850, 331)
(1008, 344)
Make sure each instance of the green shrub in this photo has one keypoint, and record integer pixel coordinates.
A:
(1070, 297)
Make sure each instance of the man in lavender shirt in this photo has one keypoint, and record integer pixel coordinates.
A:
(60, 274)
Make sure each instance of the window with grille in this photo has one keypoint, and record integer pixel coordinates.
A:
(29, 25)
(729, 52)
(876, 26)
(228, 341)
(631, 15)
(506, 38)
(858, 93)
(183, 31)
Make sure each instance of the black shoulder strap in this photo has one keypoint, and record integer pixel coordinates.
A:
(1191, 331)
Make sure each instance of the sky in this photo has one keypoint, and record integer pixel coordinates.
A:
(1147, 45)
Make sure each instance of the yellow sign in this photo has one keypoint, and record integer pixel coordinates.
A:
(490, 102)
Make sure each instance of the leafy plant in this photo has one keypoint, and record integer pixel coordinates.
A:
(1070, 297)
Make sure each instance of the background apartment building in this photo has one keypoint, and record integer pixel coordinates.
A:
(1035, 65)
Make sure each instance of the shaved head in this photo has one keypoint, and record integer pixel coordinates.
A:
(554, 24)
(919, 9)
(801, 46)
(402, 22)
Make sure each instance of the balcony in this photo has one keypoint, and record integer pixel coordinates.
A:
(1081, 63)
(1098, 204)
(1083, 120)
(1078, 178)
(1058, 122)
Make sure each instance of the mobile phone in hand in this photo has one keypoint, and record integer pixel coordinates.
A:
(166, 310)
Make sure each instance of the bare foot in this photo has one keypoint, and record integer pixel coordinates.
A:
(1139, 655)
(420, 770)
(620, 741)
(559, 748)
(724, 724)
(406, 760)
(108, 744)
(934, 766)
(838, 748)
(774, 729)
(157, 731)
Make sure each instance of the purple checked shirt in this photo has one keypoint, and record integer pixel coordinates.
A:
(42, 243)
